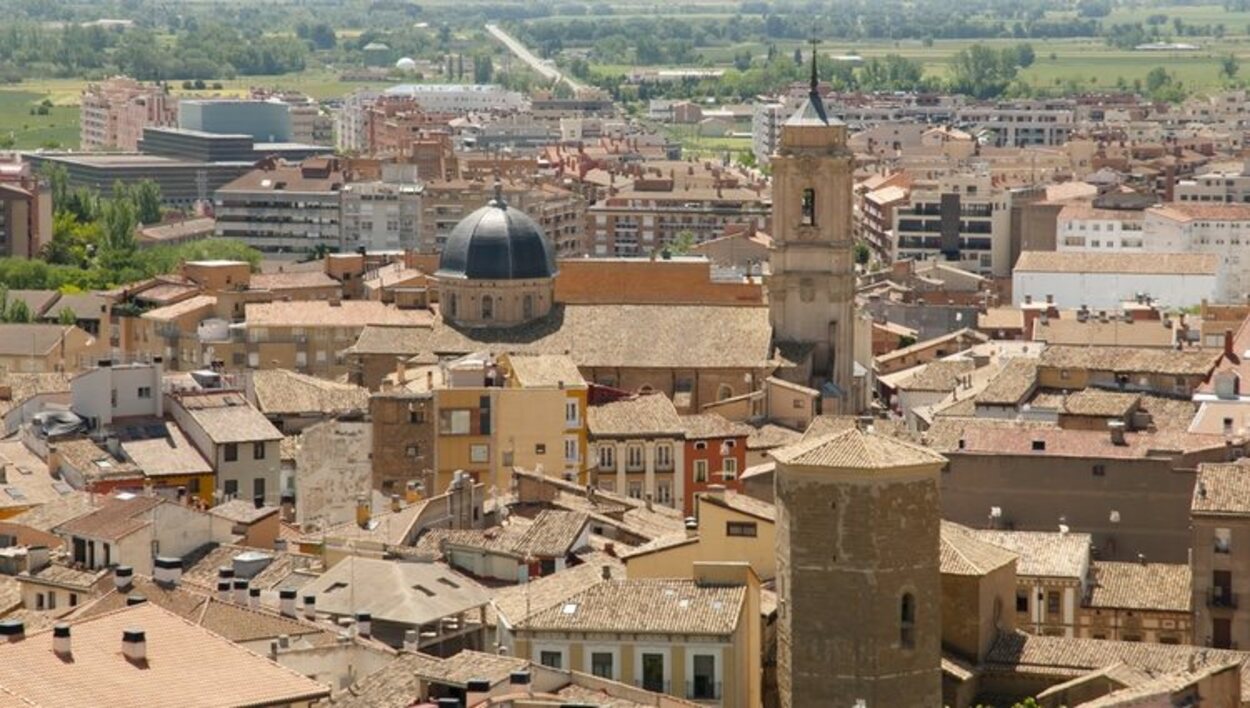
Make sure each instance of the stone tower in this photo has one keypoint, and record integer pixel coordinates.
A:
(812, 286)
(858, 572)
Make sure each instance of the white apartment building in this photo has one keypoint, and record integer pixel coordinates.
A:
(766, 120)
(1082, 227)
(461, 98)
(1227, 186)
(1021, 123)
(1221, 229)
(963, 219)
(350, 133)
(380, 216)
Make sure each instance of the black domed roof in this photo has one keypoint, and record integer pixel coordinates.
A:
(497, 242)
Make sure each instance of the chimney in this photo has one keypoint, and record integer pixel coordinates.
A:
(240, 591)
(123, 577)
(60, 641)
(12, 630)
(54, 462)
(1117, 432)
(401, 377)
(288, 507)
(476, 691)
(223, 590)
(395, 505)
(1141, 558)
(647, 496)
(167, 571)
(692, 527)
(135, 598)
(310, 607)
(1228, 343)
(363, 512)
(286, 602)
(715, 491)
(253, 597)
(429, 380)
(135, 646)
(364, 625)
(520, 679)
(410, 640)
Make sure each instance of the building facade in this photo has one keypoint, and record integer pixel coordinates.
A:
(115, 111)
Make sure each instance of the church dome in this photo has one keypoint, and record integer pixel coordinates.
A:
(497, 242)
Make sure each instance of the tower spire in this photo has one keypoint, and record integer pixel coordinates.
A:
(815, 81)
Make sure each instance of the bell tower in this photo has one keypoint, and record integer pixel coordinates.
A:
(812, 286)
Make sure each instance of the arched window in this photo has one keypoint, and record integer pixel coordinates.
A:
(809, 207)
(527, 306)
(488, 307)
(451, 304)
(724, 391)
(907, 621)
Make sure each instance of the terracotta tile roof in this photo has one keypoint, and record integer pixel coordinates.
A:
(1089, 212)
(1131, 360)
(461, 668)
(291, 281)
(1113, 333)
(23, 386)
(170, 455)
(856, 449)
(500, 540)
(242, 512)
(1196, 211)
(962, 553)
(702, 426)
(207, 303)
(312, 175)
(553, 533)
(1099, 403)
(285, 392)
(37, 300)
(403, 593)
(1135, 263)
(46, 517)
(938, 376)
(1222, 489)
(95, 463)
(26, 481)
(203, 574)
(229, 418)
(513, 603)
(611, 510)
(114, 521)
(395, 685)
(662, 543)
(186, 666)
(167, 293)
(982, 436)
(390, 339)
(1141, 586)
(1001, 318)
(960, 338)
(64, 575)
(545, 370)
(666, 336)
(665, 606)
(771, 435)
(825, 424)
(640, 416)
(1048, 554)
(741, 503)
(311, 314)
(86, 306)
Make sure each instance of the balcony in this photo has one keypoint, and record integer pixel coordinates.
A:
(1219, 597)
(699, 690)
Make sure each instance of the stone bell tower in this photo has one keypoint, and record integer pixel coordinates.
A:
(812, 286)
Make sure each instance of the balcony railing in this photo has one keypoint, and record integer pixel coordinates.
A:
(703, 690)
(1221, 597)
(654, 686)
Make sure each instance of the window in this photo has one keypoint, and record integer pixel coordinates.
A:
(664, 457)
(703, 685)
(724, 391)
(635, 490)
(607, 457)
(412, 451)
(1022, 601)
(416, 416)
(809, 207)
(73, 599)
(479, 453)
(231, 452)
(745, 529)
(601, 664)
(653, 672)
(907, 621)
(451, 304)
(258, 450)
(540, 449)
(453, 422)
(664, 492)
(488, 307)
(1100, 470)
(570, 449)
(572, 414)
(1052, 602)
(39, 601)
(145, 392)
(483, 415)
(231, 488)
(729, 469)
(553, 659)
(527, 306)
(258, 488)
(700, 470)
(1223, 540)
(633, 457)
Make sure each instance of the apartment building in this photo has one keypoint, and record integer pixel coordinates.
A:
(639, 449)
(25, 217)
(877, 200)
(47, 348)
(393, 124)
(1220, 535)
(380, 216)
(1220, 229)
(236, 439)
(461, 98)
(766, 120)
(560, 212)
(281, 207)
(1226, 186)
(350, 121)
(964, 219)
(114, 112)
(1022, 123)
(657, 210)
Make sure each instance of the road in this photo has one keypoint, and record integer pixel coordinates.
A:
(547, 71)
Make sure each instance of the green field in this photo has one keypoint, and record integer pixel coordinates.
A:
(60, 126)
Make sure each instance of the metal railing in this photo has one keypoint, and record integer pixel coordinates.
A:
(703, 690)
(1221, 597)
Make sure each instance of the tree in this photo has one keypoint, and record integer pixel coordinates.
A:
(798, 55)
(66, 317)
(18, 312)
(322, 36)
(147, 198)
(1229, 66)
(862, 254)
(1025, 55)
(983, 72)
(118, 237)
(682, 243)
(483, 71)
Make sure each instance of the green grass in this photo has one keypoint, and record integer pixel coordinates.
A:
(31, 131)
